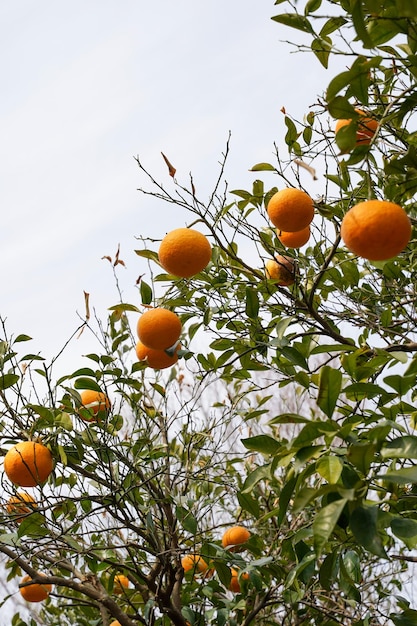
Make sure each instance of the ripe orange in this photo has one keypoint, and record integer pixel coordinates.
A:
(291, 210)
(121, 582)
(282, 269)
(20, 505)
(366, 128)
(376, 230)
(157, 359)
(235, 536)
(35, 592)
(296, 239)
(159, 328)
(194, 562)
(115, 623)
(234, 581)
(28, 463)
(94, 402)
(184, 252)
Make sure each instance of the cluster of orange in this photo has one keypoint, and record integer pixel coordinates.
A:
(183, 252)
(29, 464)
(233, 539)
(376, 230)
(291, 211)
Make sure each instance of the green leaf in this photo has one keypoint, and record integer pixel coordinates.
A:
(187, 519)
(122, 307)
(289, 418)
(359, 23)
(262, 443)
(87, 383)
(224, 573)
(361, 455)
(292, 134)
(352, 565)
(328, 570)
(249, 504)
(293, 20)
(8, 380)
(260, 473)
(406, 530)
(332, 24)
(407, 618)
(312, 6)
(330, 384)
(330, 468)
(33, 525)
(400, 448)
(403, 476)
(146, 293)
(363, 524)
(148, 254)
(251, 303)
(263, 167)
(325, 521)
(322, 47)
(401, 384)
(22, 338)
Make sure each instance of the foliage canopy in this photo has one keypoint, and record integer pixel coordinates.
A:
(296, 421)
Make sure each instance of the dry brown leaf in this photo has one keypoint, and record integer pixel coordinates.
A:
(310, 169)
(171, 168)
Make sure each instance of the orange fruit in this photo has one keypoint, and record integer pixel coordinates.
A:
(115, 623)
(296, 239)
(28, 463)
(376, 230)
(282, 269)
(367, 127)
(157, 359)
(234, 581)
(121, 582)
(159, 328)
(194, 562)
(35, 592)
(184, 252)
(20, 505)
(291, 210)
(94, 402)
(235, 536)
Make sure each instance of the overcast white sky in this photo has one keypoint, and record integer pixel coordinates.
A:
(88, 85)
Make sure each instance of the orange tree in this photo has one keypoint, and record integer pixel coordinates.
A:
(289, 411)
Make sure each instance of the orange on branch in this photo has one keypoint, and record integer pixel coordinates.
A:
(184, 252)
(35, 592)
(159, 328)
(94, 402)
(20, 505)
(28, 463)
(282, 269)
(367, 127)
(194, 562)
(121, 583)
(157, 359)
(376, 230)
(235, 536)
(291, 210)
(234, 581)
(295, 239)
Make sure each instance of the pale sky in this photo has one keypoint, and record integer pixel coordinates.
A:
(86, 86)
